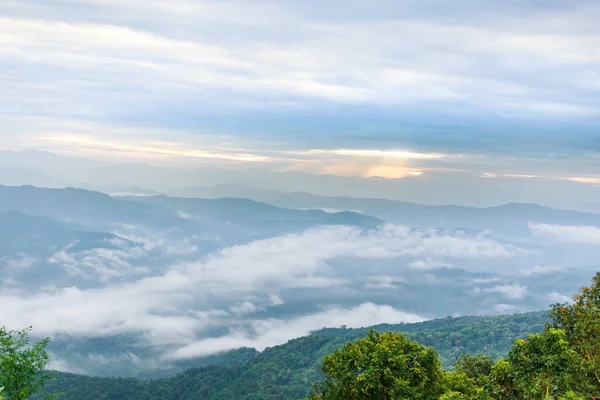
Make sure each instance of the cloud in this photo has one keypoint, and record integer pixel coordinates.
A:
(169, 242)
(556, 297)
(128, 255)
(428, 264)
(58, 364)
(258, 58)
(286, 260)
(171, 58)
(541, 270)
(514, 292)
(18, 263)
(379, 154)
(244, 308)
(266, 333)
(485, 280)
(585, 179)
(155, 150)
(276, 300)
(384, 282)
(177, 305)
(103, 264)
(569, 234)
(508, 308)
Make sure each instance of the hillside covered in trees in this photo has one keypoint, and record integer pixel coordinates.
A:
(448, 359)
(288, 371)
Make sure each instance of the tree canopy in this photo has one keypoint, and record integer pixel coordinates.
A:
(580, 321)
(560, 363)
(382, 367)
(22, 365)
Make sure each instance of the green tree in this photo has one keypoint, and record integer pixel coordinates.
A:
(381, 366)
(475, 366)
(461, 387)
(581, 323)
(22, 365)
(538, 368)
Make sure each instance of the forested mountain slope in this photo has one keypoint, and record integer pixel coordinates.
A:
(287, 371)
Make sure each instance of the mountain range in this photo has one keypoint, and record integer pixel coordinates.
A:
(254, 273)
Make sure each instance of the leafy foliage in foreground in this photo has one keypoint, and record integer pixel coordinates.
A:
(22, 365)
(559, 363)
(382, 366)
(389, 366)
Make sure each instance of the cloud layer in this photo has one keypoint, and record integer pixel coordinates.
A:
(306, 87)
(236, 286)
(268, 333)
(589, 235)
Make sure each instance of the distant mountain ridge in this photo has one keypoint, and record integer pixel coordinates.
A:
(509, 219)
(247, 210)
(113, 176)
(225, 217)
(22, 233)
(300, 210)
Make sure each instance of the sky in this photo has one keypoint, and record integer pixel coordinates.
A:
(403, 89)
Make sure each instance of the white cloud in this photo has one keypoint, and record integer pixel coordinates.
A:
(508, 308)
(380, 154)
(276, 300)
(484, 280)
(102, 359)
(514, 292)
(18, 263)
(183, 215)
(428, 264)
(177, 55)
(163, 242)
(556, 297)
(244, 308)
(288, 262)
(172, 307)
(267, 333)
(101, 264)
(148, 305)
(202, 48)
(568, 234)
(540, 270)
(104, 263)
(58, 364)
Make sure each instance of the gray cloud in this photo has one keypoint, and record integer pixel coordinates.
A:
(284, 58)
(250, 55)
(384, 282)
(447, 75)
